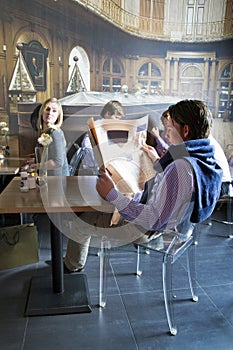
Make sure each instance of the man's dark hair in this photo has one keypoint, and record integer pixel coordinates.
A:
(195, 114)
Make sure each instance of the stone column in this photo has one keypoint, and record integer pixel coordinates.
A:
(167, 76)
(213, 83)
(206, 78)
(175, 78)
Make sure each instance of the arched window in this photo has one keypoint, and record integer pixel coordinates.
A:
(191, 82)
(192, 72)
(149, 76)
(112, 73)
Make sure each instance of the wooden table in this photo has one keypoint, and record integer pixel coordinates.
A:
(71, 194)
(10, 166)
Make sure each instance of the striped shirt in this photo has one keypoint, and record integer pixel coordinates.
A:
(167, 203)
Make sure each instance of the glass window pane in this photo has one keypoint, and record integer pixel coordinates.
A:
(190, 12)
(106, 66)
(116, 84)
(200, 14)
(226, 72)
(144, 84)
(115, 67)
(200, 18)
(155, 84)
(155, 71)
(143, 71)
(106, 84)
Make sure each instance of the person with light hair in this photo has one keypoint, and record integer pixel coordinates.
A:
(50, 120)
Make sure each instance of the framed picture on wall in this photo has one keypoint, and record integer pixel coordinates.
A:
(35, 57)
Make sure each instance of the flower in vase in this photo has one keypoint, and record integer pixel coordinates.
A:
(44, 140)
(3, 124)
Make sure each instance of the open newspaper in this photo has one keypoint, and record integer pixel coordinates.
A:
(117, 147)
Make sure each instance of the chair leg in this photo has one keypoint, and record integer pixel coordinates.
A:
(167, 287)
(229, 216)
(169, 258)
(208, 222)
(138, 270)
(167, 291)
(191, 267)
(104, 265)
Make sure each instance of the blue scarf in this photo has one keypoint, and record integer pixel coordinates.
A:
(207, 174)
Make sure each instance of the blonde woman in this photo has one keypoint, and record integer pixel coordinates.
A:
(50, 121)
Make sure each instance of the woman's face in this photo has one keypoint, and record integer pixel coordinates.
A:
(51, 113)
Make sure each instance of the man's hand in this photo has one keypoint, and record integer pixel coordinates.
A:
(155, 132)
(151, 152)
(104, 184)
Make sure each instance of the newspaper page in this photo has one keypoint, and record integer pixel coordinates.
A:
(117, 146)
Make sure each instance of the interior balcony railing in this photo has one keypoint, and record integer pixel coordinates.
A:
(159, 28)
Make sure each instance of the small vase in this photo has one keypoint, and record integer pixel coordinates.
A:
(42, 171)
(41, 179)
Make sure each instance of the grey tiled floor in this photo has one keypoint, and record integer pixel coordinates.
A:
(134, 317)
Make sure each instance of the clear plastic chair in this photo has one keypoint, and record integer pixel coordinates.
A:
(171, 245)
(77, 160)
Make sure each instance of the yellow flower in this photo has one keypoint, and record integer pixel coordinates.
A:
(3, 124)
(45, 139)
